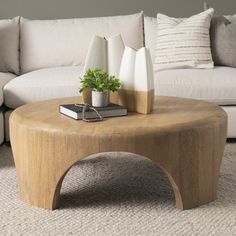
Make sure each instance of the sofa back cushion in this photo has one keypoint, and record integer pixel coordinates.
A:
(9, 45)
(223, 40)
(52, 43)
(223, 35)
(150, 33)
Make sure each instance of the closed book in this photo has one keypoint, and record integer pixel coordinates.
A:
(75, 112)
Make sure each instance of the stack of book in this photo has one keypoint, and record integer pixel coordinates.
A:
(74, 111)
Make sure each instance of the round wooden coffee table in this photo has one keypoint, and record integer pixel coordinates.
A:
(184, 137)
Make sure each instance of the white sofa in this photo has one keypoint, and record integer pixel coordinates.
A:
(4, 79)
(51, 53)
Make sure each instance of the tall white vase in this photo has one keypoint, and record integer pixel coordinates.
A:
(127, 68)
(136, 74)
(96, 55)
(143, 71)
(115, 50)
(105, 54)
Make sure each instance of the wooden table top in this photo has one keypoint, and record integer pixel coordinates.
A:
(170, 113)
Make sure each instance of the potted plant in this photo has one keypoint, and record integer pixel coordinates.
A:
(100, 82)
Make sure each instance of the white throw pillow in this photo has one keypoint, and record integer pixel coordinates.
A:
(183, 42)
(52, 43)
(9, 45)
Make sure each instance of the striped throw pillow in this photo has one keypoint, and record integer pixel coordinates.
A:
(183, 42)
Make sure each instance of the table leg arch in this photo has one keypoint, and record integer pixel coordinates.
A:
(47, 193)
(185, 197)
(53, 201)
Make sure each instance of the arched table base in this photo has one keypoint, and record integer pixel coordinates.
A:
(192, 168)
(189, 155)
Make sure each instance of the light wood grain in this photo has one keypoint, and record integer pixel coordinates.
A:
(184, 137)
(135, 101)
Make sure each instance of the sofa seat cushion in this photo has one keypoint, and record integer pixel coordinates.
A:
(216, 85)
(42, 85)
(4, 79)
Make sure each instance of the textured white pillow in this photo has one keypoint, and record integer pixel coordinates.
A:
(183, 43)
(52, 43)
(9, 45)
(150, 31)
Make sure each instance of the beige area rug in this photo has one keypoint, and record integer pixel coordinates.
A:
(117, 194)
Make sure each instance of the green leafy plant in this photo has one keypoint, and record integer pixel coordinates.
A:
(100, 81)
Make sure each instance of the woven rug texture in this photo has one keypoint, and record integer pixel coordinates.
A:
(117, 194)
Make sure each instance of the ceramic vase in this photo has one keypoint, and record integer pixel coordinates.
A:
(136, 75)
(105, 54)
(99, 99)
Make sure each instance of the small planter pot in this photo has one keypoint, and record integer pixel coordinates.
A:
(99, 99)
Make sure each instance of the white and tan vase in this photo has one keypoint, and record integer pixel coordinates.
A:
(136, 75)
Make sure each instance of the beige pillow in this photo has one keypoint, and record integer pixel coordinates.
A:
(52, 43)
(183, 43)
(9, 45)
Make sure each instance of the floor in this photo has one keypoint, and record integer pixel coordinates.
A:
(117, 194)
